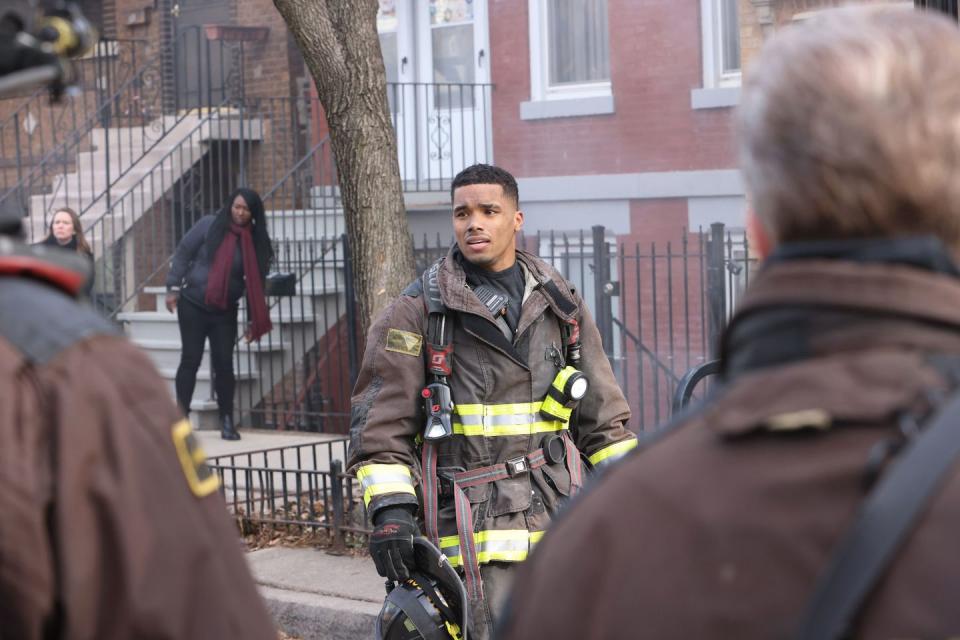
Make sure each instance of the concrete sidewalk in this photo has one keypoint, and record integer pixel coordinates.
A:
(317, 596)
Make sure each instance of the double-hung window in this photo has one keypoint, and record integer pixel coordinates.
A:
(569, 59)
(720, 28)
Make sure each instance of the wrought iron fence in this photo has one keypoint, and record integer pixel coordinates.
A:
(659, 307)
(300, 485)
(224, 147)
(441, 128)
(89, 159)
(36, 127)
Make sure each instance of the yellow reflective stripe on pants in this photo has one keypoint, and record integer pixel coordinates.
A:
(381, 479)
(508, 545)
(513, 419)
(610, 453)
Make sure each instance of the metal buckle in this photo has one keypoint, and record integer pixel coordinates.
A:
(516, 466)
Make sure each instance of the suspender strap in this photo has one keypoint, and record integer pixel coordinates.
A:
(884, 522)
(574, 464)
(474, 478)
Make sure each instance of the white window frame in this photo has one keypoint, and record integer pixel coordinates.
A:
(540, 63)
(712, 37)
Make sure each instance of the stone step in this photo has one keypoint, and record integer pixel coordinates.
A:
(165, 354)
(203, 391)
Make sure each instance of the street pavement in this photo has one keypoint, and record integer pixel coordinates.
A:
(312, 594)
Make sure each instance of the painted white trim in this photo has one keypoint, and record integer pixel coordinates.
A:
(629, 186)
(709, 183)
(710, 44)
(730, 210)
(540, 59)
(714, 98)
(541, 109)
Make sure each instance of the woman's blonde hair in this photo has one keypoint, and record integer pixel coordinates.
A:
(849, 126)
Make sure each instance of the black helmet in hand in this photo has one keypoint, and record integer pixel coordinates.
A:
(431, 604)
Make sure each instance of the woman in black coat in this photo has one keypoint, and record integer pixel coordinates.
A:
(220, 257)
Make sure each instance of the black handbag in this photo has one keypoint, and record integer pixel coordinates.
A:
(281, 284)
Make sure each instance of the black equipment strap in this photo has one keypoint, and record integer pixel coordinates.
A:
(409, 602)
(884, 522)
(439, 335)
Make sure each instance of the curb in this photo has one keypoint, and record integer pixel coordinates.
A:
(311, 616)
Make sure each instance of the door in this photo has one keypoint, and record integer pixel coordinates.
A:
(395, 26)
(438, 52)
(203, 67)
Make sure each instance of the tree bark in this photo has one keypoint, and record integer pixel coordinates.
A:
(339, 42)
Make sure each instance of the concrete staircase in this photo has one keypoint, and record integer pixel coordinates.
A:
(307, 244)
(131, 168)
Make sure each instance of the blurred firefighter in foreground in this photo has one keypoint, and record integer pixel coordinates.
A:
(812, 494)
(112, 525)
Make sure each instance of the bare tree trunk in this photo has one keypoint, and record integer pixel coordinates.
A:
(338, 39)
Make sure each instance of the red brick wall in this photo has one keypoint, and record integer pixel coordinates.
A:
(655, 62)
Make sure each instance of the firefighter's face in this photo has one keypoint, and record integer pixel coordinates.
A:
(486, 222)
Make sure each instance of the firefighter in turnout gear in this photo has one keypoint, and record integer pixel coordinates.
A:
(484, 387)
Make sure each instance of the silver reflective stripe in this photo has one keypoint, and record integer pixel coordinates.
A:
(385, 477)
(497, 421)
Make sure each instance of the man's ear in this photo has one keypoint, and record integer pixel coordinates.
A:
(759, 238)
(518, 220)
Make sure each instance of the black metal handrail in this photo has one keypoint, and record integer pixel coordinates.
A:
(58, 155)
(93, 77)
(96, 230)
(148, 117)
(689, 382)
(441, 128)
(645, 350)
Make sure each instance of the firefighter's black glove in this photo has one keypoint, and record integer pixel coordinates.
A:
(391, 543)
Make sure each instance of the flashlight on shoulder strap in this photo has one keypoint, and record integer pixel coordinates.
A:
(566, 391)
(438, 407)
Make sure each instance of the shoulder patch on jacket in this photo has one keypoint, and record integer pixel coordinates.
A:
(200, 477)
(404, 342)
(414, 289)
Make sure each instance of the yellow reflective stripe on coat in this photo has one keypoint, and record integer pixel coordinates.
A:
(610, 453)
(513, 419)
(381, 479)
(493, 545)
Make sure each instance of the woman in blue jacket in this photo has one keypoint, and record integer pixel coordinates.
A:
(222, 256)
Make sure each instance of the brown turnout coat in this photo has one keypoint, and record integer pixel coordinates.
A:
(720, 526)
(101, 535)
(487, 370)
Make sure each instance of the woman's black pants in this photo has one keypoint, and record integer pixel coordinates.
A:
(196, 326)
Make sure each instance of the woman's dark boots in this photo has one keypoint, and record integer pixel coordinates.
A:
(227, 430)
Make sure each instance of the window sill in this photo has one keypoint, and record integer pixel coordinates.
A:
(566, 108)
(716, 98)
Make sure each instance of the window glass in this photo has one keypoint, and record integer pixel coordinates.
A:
(451, 26)
(444, 12)
(577, 41)
(729, 37)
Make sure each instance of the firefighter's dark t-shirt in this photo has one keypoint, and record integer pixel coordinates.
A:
(509, 282)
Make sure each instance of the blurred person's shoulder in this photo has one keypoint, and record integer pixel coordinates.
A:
(41, 321)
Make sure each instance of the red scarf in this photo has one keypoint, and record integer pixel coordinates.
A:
(218, 282)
